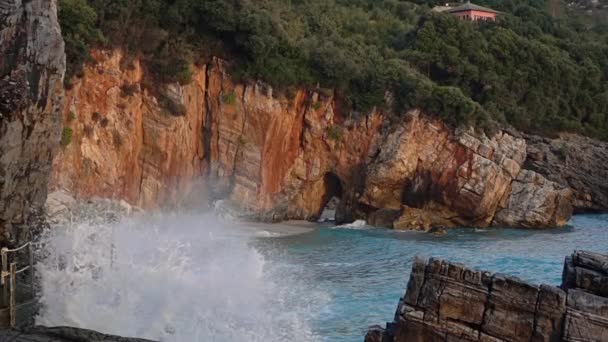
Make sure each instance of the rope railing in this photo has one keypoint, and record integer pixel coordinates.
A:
(9, 291)
(6, 250)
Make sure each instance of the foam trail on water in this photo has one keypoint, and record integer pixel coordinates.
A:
(171, 278)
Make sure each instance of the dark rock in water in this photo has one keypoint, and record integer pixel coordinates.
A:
(383, 217)
(374, 334)
(449, 302)
(61, 334)
(32, 65)
(576, 162)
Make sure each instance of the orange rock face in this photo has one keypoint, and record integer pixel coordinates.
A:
(275, 158)
(259, 151)
(273, 155)
(124, 144)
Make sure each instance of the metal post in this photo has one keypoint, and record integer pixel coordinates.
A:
(13, 301)
(31, 250)
(3, 253)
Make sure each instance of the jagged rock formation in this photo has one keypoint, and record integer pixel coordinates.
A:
(447, 178)
(32, 65)
(61, 334)
(449, 302)
(577, 162)
(278, 158)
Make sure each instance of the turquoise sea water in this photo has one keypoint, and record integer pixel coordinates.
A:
(363, 272)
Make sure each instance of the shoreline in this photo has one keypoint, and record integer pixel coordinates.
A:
(281, 229)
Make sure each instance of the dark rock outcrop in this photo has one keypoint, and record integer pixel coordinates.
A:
(449, 302)
(576, 162)
(61, 334)
(32, 65)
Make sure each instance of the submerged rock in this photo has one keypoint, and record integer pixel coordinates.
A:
(449, 302)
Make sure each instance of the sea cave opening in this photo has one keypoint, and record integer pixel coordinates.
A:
(331, 197)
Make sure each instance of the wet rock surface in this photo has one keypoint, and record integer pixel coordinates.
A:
(62, 208)
(61, 334)
(449, 302)
(32, 65)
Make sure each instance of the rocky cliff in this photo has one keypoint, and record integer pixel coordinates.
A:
(32, 64)
(577, 162)
(275, 157)
(449, 302)
(124, 141)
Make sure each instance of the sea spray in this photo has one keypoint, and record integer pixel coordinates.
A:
(170, 277)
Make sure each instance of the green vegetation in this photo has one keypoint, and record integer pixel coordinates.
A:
(229, 98)
(171, 106)
(79, 30)
(335, 132)
(71, 116)
(538, 71)
(66, 136)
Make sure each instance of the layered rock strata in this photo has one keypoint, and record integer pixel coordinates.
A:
(274, 157)
(574, 161)
(449, 302)
(32, 65)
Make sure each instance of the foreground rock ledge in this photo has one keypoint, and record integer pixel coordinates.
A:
(61, 334)
(448, 302)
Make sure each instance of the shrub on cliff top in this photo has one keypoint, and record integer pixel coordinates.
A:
(533, 71)
(80, 31)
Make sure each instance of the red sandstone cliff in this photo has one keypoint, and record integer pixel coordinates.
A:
(279, 158)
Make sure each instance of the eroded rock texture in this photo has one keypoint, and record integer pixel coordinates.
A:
(126, 143)
(577, 162)
(449, 302)
(32, 65)
(442, 177)
(273, 157)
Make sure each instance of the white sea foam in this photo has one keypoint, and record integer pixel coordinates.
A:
(171, 278)
(358, 224)
(265, 233)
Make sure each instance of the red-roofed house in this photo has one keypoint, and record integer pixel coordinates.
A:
(470, 12)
